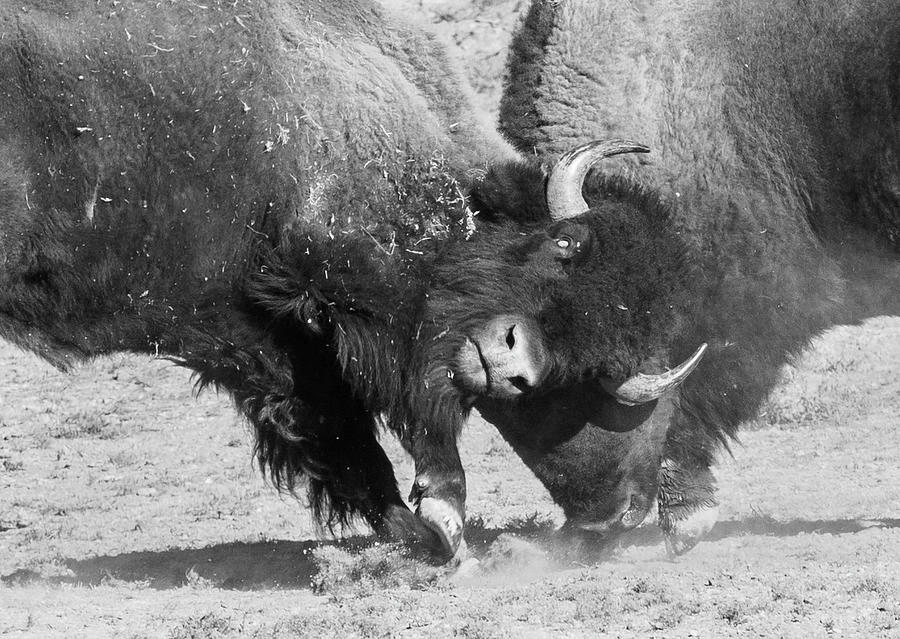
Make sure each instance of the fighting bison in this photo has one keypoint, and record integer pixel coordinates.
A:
(295, 200)
(776, 131)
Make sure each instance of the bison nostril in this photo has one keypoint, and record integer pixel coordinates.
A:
(519, 383)
(511, 337)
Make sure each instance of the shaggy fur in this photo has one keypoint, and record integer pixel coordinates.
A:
(182, 181)
(295, 200)
(774, 130)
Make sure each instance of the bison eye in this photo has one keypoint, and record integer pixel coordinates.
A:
(566, 247)
(568, 241)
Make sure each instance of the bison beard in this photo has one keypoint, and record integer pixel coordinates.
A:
(283, 197)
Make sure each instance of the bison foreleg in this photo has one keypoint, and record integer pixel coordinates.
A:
(688, 509)
(439, 494)
(365, 483)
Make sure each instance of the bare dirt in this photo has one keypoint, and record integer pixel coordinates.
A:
(130, 508)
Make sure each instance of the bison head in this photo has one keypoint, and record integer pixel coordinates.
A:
(559, 293)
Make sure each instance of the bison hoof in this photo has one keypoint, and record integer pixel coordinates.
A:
(466, 568)
(686, 533)
(444, 520)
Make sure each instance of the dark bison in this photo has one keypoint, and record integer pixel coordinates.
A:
(295, 200)
(776, 131)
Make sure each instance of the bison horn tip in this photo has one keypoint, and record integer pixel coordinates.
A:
(641, 388)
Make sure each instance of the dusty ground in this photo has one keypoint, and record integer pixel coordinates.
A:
(128, 508)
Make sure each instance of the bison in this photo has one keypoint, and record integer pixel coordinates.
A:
(776, 127)
(296, 200)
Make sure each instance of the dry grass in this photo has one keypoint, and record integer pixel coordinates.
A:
(166, 529)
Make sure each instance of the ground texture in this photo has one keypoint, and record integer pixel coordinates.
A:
(130, 508)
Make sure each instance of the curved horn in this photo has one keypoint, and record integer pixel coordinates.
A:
(567, 176)
(641, 388)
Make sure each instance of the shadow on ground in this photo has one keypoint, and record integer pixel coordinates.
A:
(766, 526)
(237, 566)
(293, 564)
